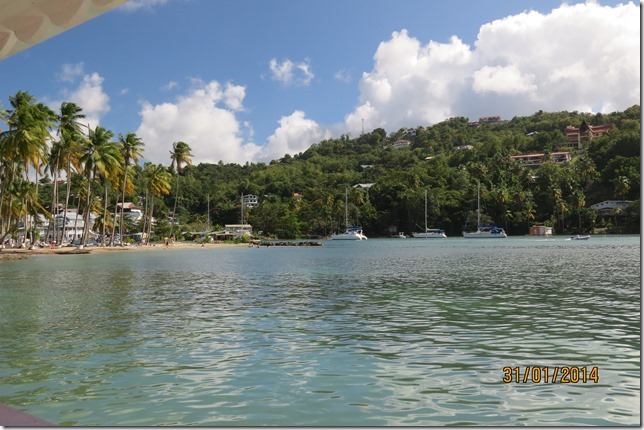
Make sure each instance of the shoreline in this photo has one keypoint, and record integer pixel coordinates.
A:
(24, 253)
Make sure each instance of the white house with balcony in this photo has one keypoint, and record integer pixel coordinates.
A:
(73, 223)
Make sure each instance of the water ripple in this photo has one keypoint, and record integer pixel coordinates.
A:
(402, 333)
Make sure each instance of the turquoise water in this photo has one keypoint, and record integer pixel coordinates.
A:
(405, 332)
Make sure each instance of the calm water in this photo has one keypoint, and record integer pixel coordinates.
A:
(383, 332)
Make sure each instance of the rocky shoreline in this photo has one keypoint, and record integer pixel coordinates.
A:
(287, 243)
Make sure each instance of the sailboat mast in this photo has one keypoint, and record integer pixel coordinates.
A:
(478, 205)
(425, 211)
(346, 207)
(242, 209)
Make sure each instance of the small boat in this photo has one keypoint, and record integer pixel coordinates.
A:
(429, 233)
(580, 237)
(351, 232)
(484, 231)
(400, 235)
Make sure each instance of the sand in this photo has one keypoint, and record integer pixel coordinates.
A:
(21, 253)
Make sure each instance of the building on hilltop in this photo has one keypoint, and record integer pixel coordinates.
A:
(400, 144)
(531, 160)
(487, 120)
(580, 137)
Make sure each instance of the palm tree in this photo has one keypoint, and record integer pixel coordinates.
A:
(157, 180)
(131, 149)
(71, 138)
(100, 158)
(60, 156)
(23, 145)
(180, 156)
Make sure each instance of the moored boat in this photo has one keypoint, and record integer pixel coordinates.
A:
(483, 231)
(429, 233)
(351, 232)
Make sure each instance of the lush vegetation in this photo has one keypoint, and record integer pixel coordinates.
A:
(304, 195)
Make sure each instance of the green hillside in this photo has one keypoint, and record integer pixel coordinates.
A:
(560, 175)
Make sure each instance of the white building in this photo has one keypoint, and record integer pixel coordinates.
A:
(73, 224)
(130, 211)
(250, 200)
(607, 207)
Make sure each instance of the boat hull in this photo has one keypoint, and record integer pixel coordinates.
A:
(429, 235)
(484, 235)
(348, 236)
(351, 233)
(580, 237)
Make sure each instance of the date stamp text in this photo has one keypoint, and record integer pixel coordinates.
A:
(550, 375)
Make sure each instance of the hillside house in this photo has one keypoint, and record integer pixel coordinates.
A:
(400, 144)
(533, 160)
(580, 137)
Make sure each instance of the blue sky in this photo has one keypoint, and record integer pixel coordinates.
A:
(252, 80)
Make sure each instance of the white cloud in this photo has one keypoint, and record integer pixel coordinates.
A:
(343, 75)
(580, 57)
(204, 119)
(295, 134)
(290, 73)
(503, 80)
(71, 72)
(170, 86)
(88, 93)
(410, 84)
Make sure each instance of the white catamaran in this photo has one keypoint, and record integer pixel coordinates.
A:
(351, 232)
(484, 231)
(429, 233)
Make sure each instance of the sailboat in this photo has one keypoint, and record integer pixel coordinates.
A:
(350, 232)
(483, 231)
(429, 233)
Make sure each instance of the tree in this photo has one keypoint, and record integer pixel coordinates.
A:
(179, 156)
(67, 149)
(157, 183)
(22, 146)
(100, 157)
(131, 150)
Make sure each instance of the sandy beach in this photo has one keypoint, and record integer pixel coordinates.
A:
(22, 253)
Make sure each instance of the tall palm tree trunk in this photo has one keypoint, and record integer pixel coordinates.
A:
(174, 209)
(122, 205)
(145, 220)
(104, 217)
(69, 190)
(86, 214)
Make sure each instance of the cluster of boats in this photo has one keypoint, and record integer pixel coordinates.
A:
(482, 231)
(355, 232)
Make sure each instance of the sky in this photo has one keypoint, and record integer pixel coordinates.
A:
(253, 80)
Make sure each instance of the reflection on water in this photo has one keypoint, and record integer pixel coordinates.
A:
(383, 332)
